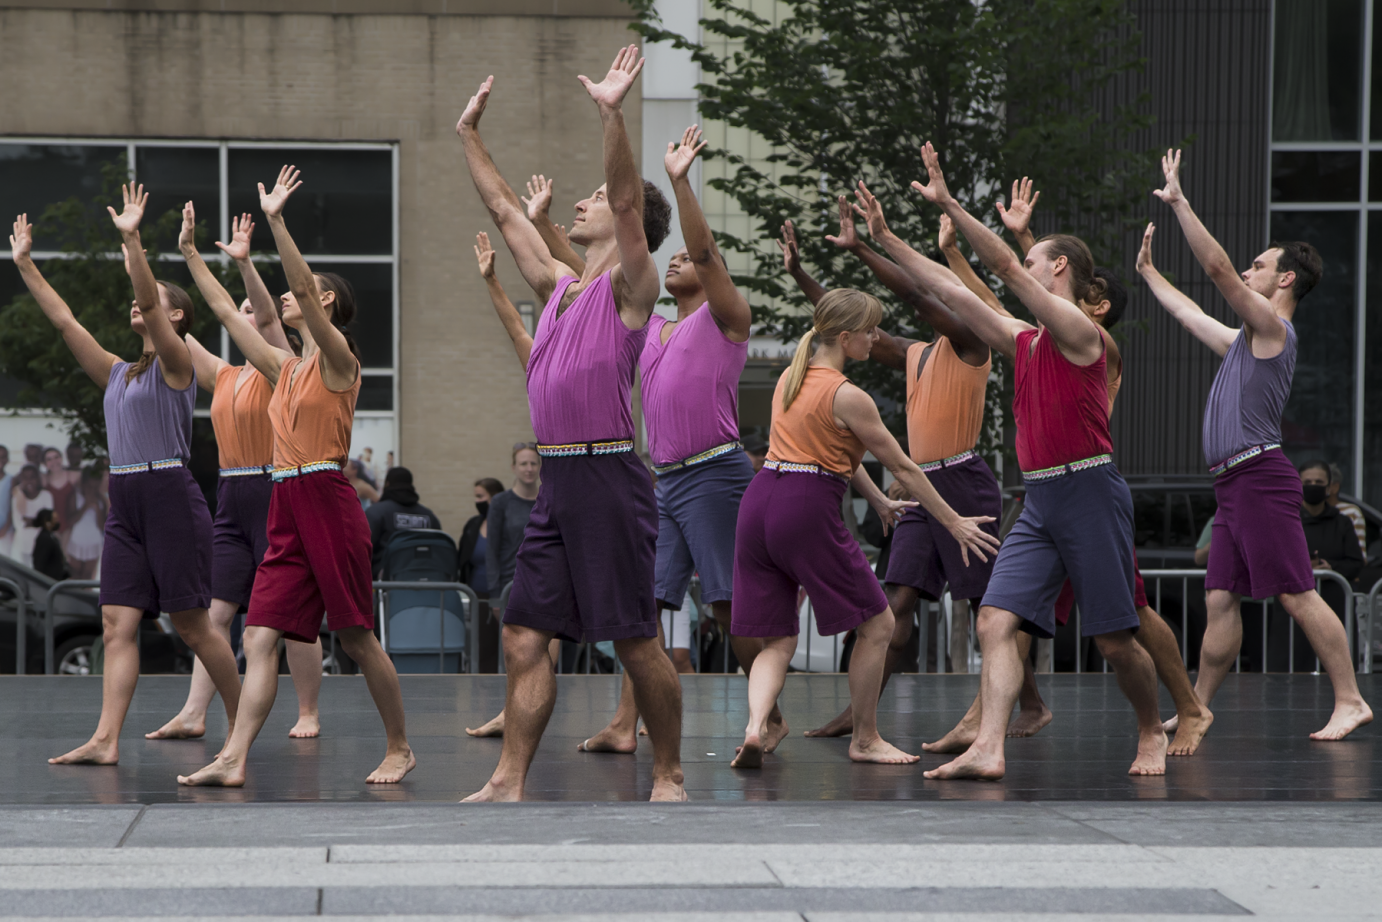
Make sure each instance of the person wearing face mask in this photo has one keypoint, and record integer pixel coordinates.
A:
(474, 542)
(1329, 533)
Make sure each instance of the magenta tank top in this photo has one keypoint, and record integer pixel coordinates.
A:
(1061, 408)
(580, 372)
(146, 420)
(690, 386)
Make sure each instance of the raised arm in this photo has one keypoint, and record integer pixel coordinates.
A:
(729, 308)
(635, 278)
(534, 259)
(1190, 315)
(93, 358)
(174, 360)
(262, 304)
(1017, 217)
(539, 204)
(206, 364)
(1257, 312)
(891, 350)
(508, 314)
(1077, 336)
(949, 244)
(791, 261)
(338, 364)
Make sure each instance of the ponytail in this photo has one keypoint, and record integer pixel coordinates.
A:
(840, 310)
(343, 310)
(796, 374)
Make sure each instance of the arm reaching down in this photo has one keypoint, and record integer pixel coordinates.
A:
(1190, 315)
(889, 510)
(508, 314)
(539, 204)
(791, 261)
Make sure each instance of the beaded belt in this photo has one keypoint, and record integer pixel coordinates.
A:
(578, 449)
(253, 471)
(709, 454)
(163, 465)
(796, 467)
(284, 473)
(1051, 473)
(930, 466)
(1239, 458)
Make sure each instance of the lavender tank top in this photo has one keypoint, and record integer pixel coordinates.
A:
(580, 372)
(1247, 399)
(690, 386)
(146, 420)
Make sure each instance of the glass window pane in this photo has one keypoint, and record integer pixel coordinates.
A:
(1315, 176)
(373, 324)
(1372, 408)
(376, 393)
(172, 176)
(345, 205)
(1318, 422)
(39, 175)
(1316, 84)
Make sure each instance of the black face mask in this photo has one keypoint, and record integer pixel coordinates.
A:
(1314, 493)
(482, 508)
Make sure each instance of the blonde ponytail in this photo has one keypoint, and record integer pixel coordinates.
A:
(796, 374)
(840, 310)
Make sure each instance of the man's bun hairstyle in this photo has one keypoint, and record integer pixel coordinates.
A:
(1116, 295)
(657, 216)
(1304, 260)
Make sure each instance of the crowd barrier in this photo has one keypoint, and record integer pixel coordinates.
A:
(21, 625)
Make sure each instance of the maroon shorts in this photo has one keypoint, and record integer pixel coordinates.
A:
(156, 555)
(926, 556)
(1257, 546)
(318, 560)
(1066, 600)
(791, 534)
(239, 535)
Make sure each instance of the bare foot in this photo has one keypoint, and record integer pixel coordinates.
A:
(957, 740)
(750, 753)
(1346, 719)
(643, 731)
(308, 727)
(669, 790)
(220, 773)
(179, 728)
(609, 740)
(881, 751)
(394, 768)
(775, 733)
(495, 792)
(1170, 726)
(495, 727)
(1151, 754)
(842, 725)
(1029, 723)
(973, 765)
(90, 753)
(1189, 734)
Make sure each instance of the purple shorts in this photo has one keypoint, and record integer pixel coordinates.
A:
(697, 512)
(585, 567)
(1257, 546)
(239, 535)
(926, 556)
(157, 550)
(791, 534)
(1078, 525)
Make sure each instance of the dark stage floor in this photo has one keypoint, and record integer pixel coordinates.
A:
(1258, 749)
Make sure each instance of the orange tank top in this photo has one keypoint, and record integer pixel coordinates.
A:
(945, 403)
(311, 422)
(240, 418)
(806, 432)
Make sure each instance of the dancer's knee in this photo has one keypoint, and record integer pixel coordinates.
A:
(525, 648)
(878, 629)
(261, 642)
(1117, 647)
(995, 626)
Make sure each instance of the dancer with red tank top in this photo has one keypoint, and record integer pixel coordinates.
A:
(790, 533)
(1258, 547)
(585, 568)
(245, 442)
(156, 553)
(319, 542)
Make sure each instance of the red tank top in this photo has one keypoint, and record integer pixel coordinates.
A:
(1061, 408)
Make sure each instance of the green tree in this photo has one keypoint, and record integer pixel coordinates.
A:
(848, 90)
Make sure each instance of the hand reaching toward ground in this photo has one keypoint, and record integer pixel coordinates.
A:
(609, 93)
(679, 156)
(484, 255)
(21, 238)
(791, 255)
(1170, 168)
(935, 190)
(272, 202)
(1017, 217)
(470, 118)
(848, 237)
(127, 221)
(539, 200)
(241, 229)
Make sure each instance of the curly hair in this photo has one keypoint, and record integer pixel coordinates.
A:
(657, 216)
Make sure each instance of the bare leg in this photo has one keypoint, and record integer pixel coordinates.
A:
(261, 687)
(681, 660)
(362, 646)
(1326, 635)
(1223, 638)
(657, 693)
(903, 601)
(305, 665)
(119, 630)
(1032, 712)
(531, 695)
(620, 735)
(962, 735)
(1137, 678)
(495, 725)
(765, 684)
(866, 666)
(959, 636)
(1000, 682)
(213, 650)
(190, 722)
(746, 650)
(1192, 717)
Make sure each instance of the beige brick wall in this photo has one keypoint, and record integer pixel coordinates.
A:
(362, 78)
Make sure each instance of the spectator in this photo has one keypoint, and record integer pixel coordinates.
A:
(508, 517)
(24, 506)
(1354, 514)
(1329, 534)
(364, 490)
(33, 454)
(757, 450)
(6, 488)
(397, 510)
(48, 556)
(85, 540)
(367, 472)
(75, 455)
(62, 484)
(475, 537)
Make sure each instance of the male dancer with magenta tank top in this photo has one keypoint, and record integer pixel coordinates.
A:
(1258, 547)
(585, 568)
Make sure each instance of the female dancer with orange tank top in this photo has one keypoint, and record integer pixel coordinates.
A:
(790, 532)
(319, 541)
(245, 442)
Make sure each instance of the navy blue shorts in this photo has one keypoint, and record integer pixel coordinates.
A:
(585, 567)
(239, 535)
(926, 556)
(1078, 525)
(157, 550)
(697, 509)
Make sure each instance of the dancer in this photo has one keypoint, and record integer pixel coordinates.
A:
(319, 546)
(790, 533)
(245, 441)
(586, 564)
(156, 552)
(947, 381)
(1258, 548)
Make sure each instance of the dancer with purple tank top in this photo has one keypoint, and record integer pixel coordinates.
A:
(156, 555)
(1258, 548)
(585, 569)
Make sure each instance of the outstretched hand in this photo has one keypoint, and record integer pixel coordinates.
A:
(935, 190)
(272, 202)
(974, 539)
(187, 237)
(241, 229)
(1144, 255)
(127, 221)
(890, 510)
(1170, 168)
(484, 255)
(539, 198)
(1017, 217)
(791, 255)
(848, 237)
(946, 238)
(21, 238)
(470, 118)
(609, 93)
(679, 156)
(871, 211)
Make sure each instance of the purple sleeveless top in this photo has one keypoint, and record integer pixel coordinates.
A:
(690, 386)
(146, 420)
(580, 372)
(1247, 399)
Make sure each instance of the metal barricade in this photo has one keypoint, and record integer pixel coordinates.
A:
(499, 615)
(468, 597)
(1373, 595)
(21, 625)
(58, 588)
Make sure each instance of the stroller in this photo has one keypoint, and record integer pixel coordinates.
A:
(425, 629)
